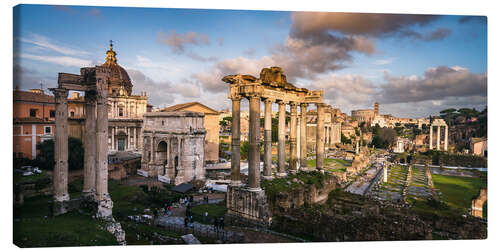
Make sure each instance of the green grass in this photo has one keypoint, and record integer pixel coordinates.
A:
(18, 177)
(458, 192)
(33, 227)
(145, 233)
(212, 209)
(123, 197)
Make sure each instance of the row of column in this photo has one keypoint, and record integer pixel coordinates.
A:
(254, 140)
(95, 185)
(128, 144)
(438, 140)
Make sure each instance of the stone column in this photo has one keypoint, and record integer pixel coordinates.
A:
(89, 170)
(438, 143)
(60, 173)
(179, 178)
(152, 157)
(281, 139)
(320, 136)
(113, 130)
(105, 205)
(445, 138)
(253, 144)
(303, 141)
(268, 158)
(235, 142)
(128, 137)
(385, 172)
(293, 137)
(430, 137)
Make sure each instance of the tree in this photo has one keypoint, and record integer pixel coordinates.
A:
(384, 138)
(344, 139)
(244, 150)
(45, 158)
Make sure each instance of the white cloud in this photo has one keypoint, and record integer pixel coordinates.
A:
(43, 42)
(61, 60)
(384, 61)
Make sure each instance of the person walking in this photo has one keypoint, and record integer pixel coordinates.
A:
(185, 221)
(216, 224)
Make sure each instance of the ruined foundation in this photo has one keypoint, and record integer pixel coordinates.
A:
(247, 208)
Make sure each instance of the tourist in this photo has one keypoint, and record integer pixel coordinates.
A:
(216, 224)
(221, 223)
(186, 221)
(169, 210)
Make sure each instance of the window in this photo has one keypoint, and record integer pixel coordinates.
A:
(52, 113)
(120, 112)
(33, 112)
(72, 114)
(48, 130)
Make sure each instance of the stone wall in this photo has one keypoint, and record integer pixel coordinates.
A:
(350, 217)
(246, 207)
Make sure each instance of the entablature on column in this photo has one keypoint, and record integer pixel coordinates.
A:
(271, 85)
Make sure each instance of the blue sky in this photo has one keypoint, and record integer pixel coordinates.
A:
(413, 65)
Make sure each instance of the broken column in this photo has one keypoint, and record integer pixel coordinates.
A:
(430, 137)
(281, 139)
(235, 142)
(445, 138)
(253, 144)
(293, 137)
(320, 136)
(104, 203)
(267, 139)
(89, 169)
(303, 142)
(60, 174)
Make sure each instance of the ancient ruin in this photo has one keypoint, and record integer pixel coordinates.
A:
(174, 146)
(477, 204)
(271, 87)
(438, 123)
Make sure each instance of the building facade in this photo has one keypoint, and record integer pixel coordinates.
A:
(211, 123)
(34, 121)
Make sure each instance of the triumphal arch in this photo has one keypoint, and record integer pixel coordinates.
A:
(248, 201)
(174, 146)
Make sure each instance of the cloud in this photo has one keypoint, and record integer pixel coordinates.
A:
(415, 96)
(43, 42)
(61, 60)
(201, 58)
(307, 24)
(435, 35)
(479, 19)
(177, 42)
(436, 84)
(384, 61)
(26, 78)
(347, 91)
(162, 93)
(249, 52)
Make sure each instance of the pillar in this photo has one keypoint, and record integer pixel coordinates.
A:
(293, 137)
(385, 172)
(128, 137)
(60, 174)
(89, 168)
(235, 142)
(445, 138)
(153, 152)
(113, 130)
(268, 158)
(253, 144)
(303, 141)
(105, 205)
(430, 137)
(281, 139)
(438, 143)
(320, 136)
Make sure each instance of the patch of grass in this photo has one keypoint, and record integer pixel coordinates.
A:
(277, 185)
(124, 198)
(145, 233)
(458, 192)
(71, 229)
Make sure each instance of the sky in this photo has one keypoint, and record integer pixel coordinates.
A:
(413, 65)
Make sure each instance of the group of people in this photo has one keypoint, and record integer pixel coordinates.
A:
(218, 223)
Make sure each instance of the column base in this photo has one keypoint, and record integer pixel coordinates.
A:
(105, 208)
(60, 204)
(236, 183)
(281, 174)
(254, 189)
(293, 171)
(270, 177)
(88, 195)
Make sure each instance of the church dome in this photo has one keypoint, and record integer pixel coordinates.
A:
(119, 76)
